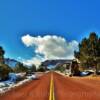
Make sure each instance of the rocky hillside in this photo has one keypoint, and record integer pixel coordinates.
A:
(55, 62)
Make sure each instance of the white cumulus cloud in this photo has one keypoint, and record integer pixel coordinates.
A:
(50, 46)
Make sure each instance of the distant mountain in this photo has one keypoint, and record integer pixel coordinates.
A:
(55, 62)
(11, 62)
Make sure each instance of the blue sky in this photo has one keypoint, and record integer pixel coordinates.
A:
(71, 19)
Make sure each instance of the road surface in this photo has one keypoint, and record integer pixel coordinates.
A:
(34, 90)
(67, 88)
(63, 88)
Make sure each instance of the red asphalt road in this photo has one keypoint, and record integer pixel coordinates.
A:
(65, 88)
(76, 88)
(34, 90)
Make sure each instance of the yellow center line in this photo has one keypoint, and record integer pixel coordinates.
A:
(51, 96)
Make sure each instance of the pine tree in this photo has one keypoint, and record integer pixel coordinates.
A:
(89, 51)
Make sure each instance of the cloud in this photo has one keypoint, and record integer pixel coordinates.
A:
(50, 46)
(34, 60)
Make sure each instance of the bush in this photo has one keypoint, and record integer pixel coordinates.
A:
(20, 68)
(32, 68)
(4, 71)
(60, 68)
(41, 69)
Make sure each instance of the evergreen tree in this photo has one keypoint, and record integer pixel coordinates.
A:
(89, 51)
(2, 52)
(32, 68)
(20, 68)
(4, 69)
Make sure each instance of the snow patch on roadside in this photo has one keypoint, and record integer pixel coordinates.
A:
(4, 87)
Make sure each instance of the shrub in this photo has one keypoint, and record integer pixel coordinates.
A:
(4, 71)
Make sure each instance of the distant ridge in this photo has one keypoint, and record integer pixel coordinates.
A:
(11, 62)
(56, 61)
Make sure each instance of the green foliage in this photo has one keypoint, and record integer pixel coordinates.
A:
(89, 51)
(32, 68)
(41, 69)
(4, 71)
(60, 68)
(20, 68)
(2, 52)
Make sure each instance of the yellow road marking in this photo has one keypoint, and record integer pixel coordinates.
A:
(51, 96)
